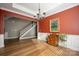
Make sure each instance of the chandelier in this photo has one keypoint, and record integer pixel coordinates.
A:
(40, 15)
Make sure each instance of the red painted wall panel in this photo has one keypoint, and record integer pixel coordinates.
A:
(24, 17)
(1, 23)
(8, 13)
(69, 21)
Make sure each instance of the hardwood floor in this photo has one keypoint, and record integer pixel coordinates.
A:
(33, 47)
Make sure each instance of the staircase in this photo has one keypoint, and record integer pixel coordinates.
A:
(28, 32)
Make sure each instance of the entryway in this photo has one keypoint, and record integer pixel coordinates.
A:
(17, 29)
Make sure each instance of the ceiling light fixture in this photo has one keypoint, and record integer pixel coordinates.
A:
(39, 14)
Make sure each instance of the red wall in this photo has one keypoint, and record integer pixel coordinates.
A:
(1, 23)
(8, 13)
(69, 21)
(24, 17)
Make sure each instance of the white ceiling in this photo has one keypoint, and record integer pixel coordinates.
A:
(31, 9)
(43, 6)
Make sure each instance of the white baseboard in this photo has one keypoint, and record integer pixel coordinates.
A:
(27, 37)
(10, 37)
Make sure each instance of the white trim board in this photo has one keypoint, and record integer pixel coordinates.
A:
(27, 37)
(10, 38)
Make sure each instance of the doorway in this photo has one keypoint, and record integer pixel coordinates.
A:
(15, 27)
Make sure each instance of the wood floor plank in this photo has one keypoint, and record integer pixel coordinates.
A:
(34, 47)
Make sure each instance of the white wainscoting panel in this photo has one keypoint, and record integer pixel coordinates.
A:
(72, 42)
(1, 40)
(43, 36)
